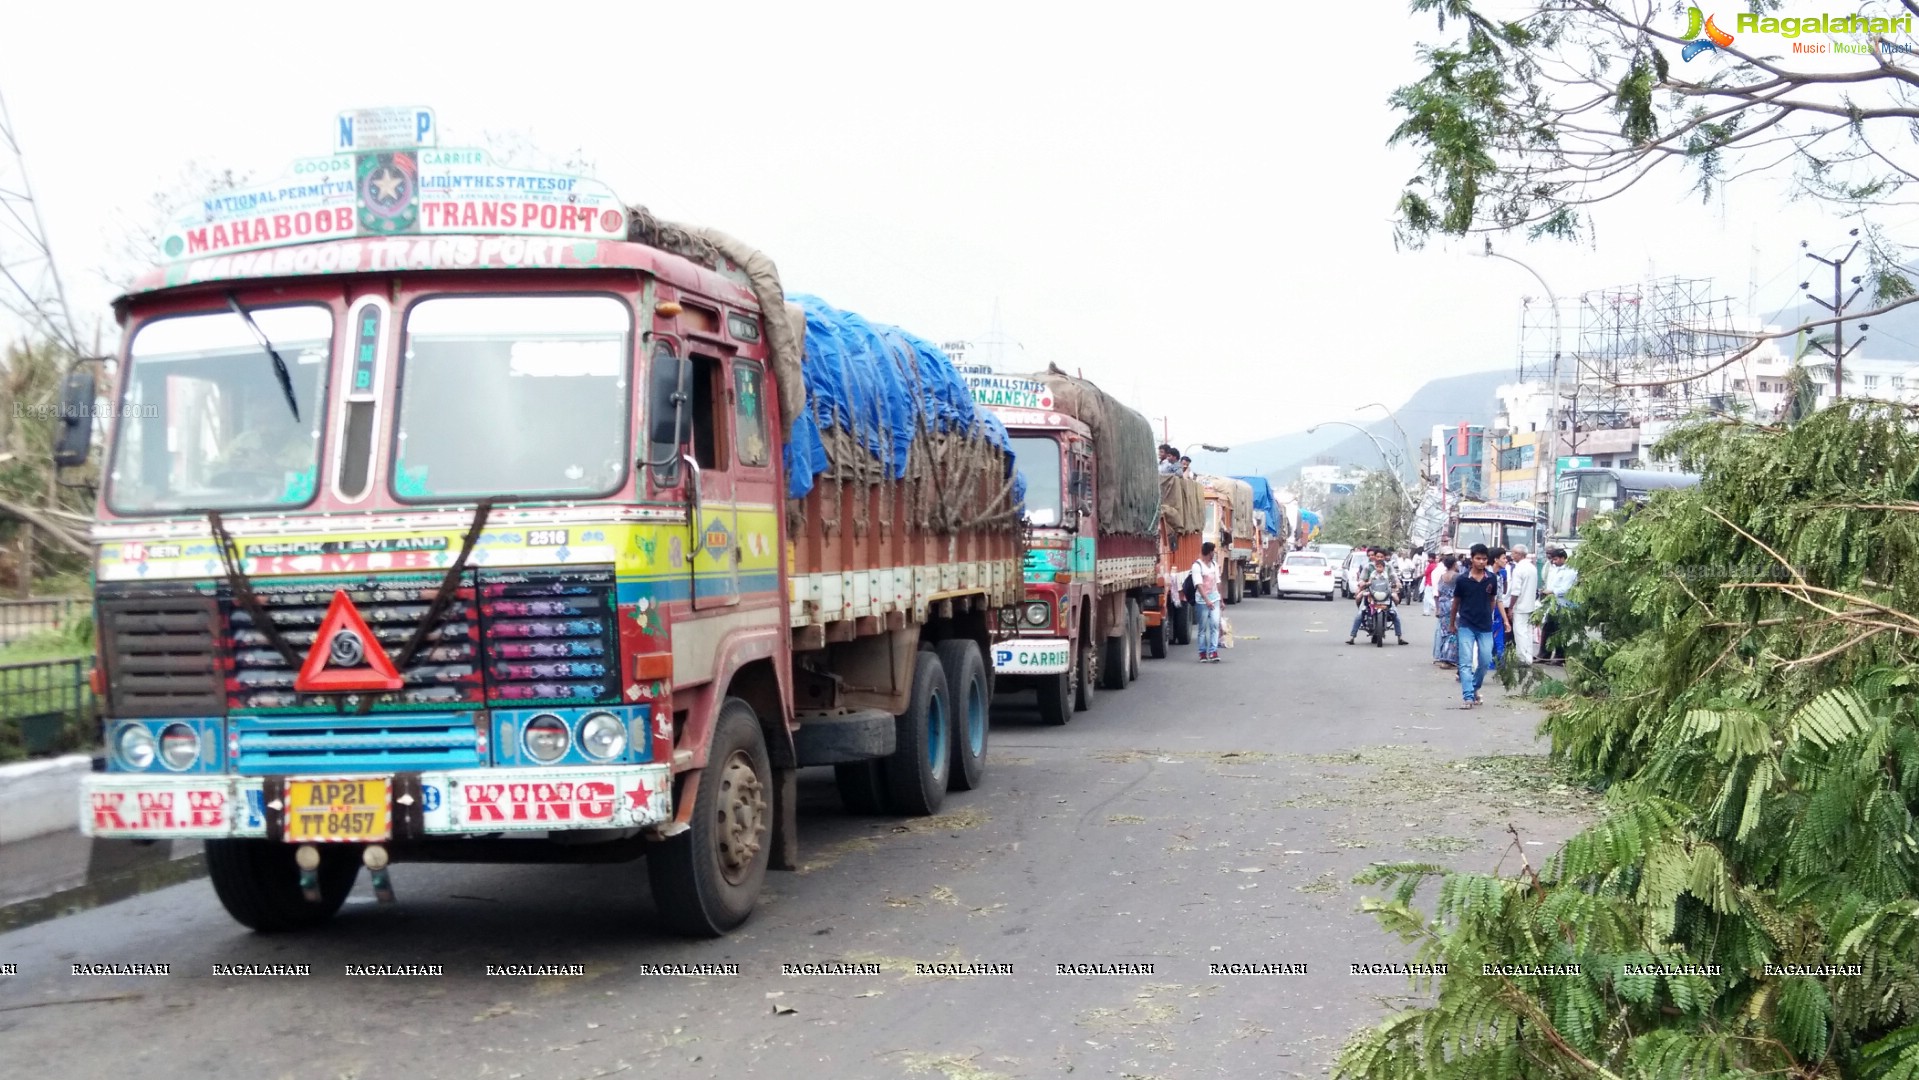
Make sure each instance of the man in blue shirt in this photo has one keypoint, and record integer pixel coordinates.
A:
(1476, 611)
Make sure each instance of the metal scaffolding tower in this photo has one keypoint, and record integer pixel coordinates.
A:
(1667, 329)
(30, 288)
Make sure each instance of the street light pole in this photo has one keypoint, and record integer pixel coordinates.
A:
(1552, 410)
(1406, 443)
(1385, 457)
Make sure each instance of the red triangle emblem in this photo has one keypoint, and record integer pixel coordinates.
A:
(361, 663)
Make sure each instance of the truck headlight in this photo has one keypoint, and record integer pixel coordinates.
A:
(1009, 616)
(135, 746)
(546, 738)
(602, 736)
(1038, 613)
(179, 747)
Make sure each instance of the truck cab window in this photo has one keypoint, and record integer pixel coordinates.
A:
(704, 389)
(749, 412)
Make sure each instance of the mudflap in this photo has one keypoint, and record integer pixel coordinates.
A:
(786, 821)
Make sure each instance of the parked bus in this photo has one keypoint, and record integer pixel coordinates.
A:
(1580, 494)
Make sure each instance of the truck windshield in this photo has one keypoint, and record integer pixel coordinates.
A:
(204, 424)
(1039, 463)
(1475, 532)
(510, 395)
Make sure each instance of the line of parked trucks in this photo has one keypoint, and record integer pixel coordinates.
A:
(566, 535)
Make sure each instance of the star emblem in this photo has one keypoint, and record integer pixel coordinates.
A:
(641, 794)
(388, 182)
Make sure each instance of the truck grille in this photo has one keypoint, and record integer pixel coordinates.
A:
(550, 637)
(158, 647)
(443, 673)
(388, 742)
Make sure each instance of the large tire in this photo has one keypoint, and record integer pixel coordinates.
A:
(1086, 682)
(862, 787)
(1156, 641)
(916, 773)
(707, 879)
(1176, 620)
(258, 882)
(1056, 694)
(1112, 662)
(972, 700)
(1135, 627)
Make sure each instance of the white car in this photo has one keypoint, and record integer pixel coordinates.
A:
(1305, 572)
(1348, 575)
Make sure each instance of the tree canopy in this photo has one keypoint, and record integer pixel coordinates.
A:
(1375, 515)
(1527, 122)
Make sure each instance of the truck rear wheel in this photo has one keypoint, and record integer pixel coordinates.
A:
(707, 879)
(972, 702)
(258, 882)
(1112, 662)
(1135, 626)
(1156, 639)
(1183, 624)
(916, 773)
(1084, 684)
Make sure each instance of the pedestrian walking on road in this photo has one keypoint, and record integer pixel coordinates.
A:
(1560, 579)
(1207, 603)
(1476, 612)
(1522, 591)
(1445, 645)
(1496, 565)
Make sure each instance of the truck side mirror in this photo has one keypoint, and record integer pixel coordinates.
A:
(74, 440)
(665, 409)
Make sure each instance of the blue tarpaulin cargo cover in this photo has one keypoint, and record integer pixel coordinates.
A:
(1263, 502)
(877, 386)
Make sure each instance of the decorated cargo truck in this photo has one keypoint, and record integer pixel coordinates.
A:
(1092, 514)
(447, 524)
(1182, 519)
(1269, 541)
(1230, 525)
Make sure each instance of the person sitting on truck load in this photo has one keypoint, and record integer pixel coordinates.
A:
(1206, 589)
(1185, 466)
(1374, 569)
(1168, 460)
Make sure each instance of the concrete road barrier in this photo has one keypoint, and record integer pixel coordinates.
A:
(41, 797)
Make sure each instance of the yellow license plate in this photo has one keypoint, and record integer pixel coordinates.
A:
(339, 811)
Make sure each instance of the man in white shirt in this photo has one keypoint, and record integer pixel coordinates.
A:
(1560, 579)
(1206, 603)
(1168, 460)
(1522, 590)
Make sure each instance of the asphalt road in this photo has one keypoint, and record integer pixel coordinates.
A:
(1208, 814)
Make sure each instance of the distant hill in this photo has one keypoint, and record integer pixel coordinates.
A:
(1441, 401)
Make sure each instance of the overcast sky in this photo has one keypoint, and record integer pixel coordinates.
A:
(1190, 204)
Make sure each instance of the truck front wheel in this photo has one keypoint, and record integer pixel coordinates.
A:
(1135, 629)
(1056, 696)
(707, 879)
(916, 773)
(258, 882)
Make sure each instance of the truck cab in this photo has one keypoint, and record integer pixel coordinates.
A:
(1056, 651)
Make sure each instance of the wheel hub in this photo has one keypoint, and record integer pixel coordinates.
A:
(742, 816)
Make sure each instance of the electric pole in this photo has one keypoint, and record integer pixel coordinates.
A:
(1840, 302)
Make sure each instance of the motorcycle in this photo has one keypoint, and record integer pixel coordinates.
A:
(1379, 610)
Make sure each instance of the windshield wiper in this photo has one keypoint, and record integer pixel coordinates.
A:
(279, 366)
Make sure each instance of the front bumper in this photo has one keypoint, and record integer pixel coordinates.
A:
(145, 807)
(1032, 656)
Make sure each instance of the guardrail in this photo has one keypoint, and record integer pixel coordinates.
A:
(47, 707)
(24, 618)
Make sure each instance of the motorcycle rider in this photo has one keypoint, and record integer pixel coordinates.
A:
(1377, 568)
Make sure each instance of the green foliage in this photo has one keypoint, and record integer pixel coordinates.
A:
(1376, 515)
(1743, 674)
(1526, 116)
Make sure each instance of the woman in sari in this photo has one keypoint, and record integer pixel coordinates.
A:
(1445, 645)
